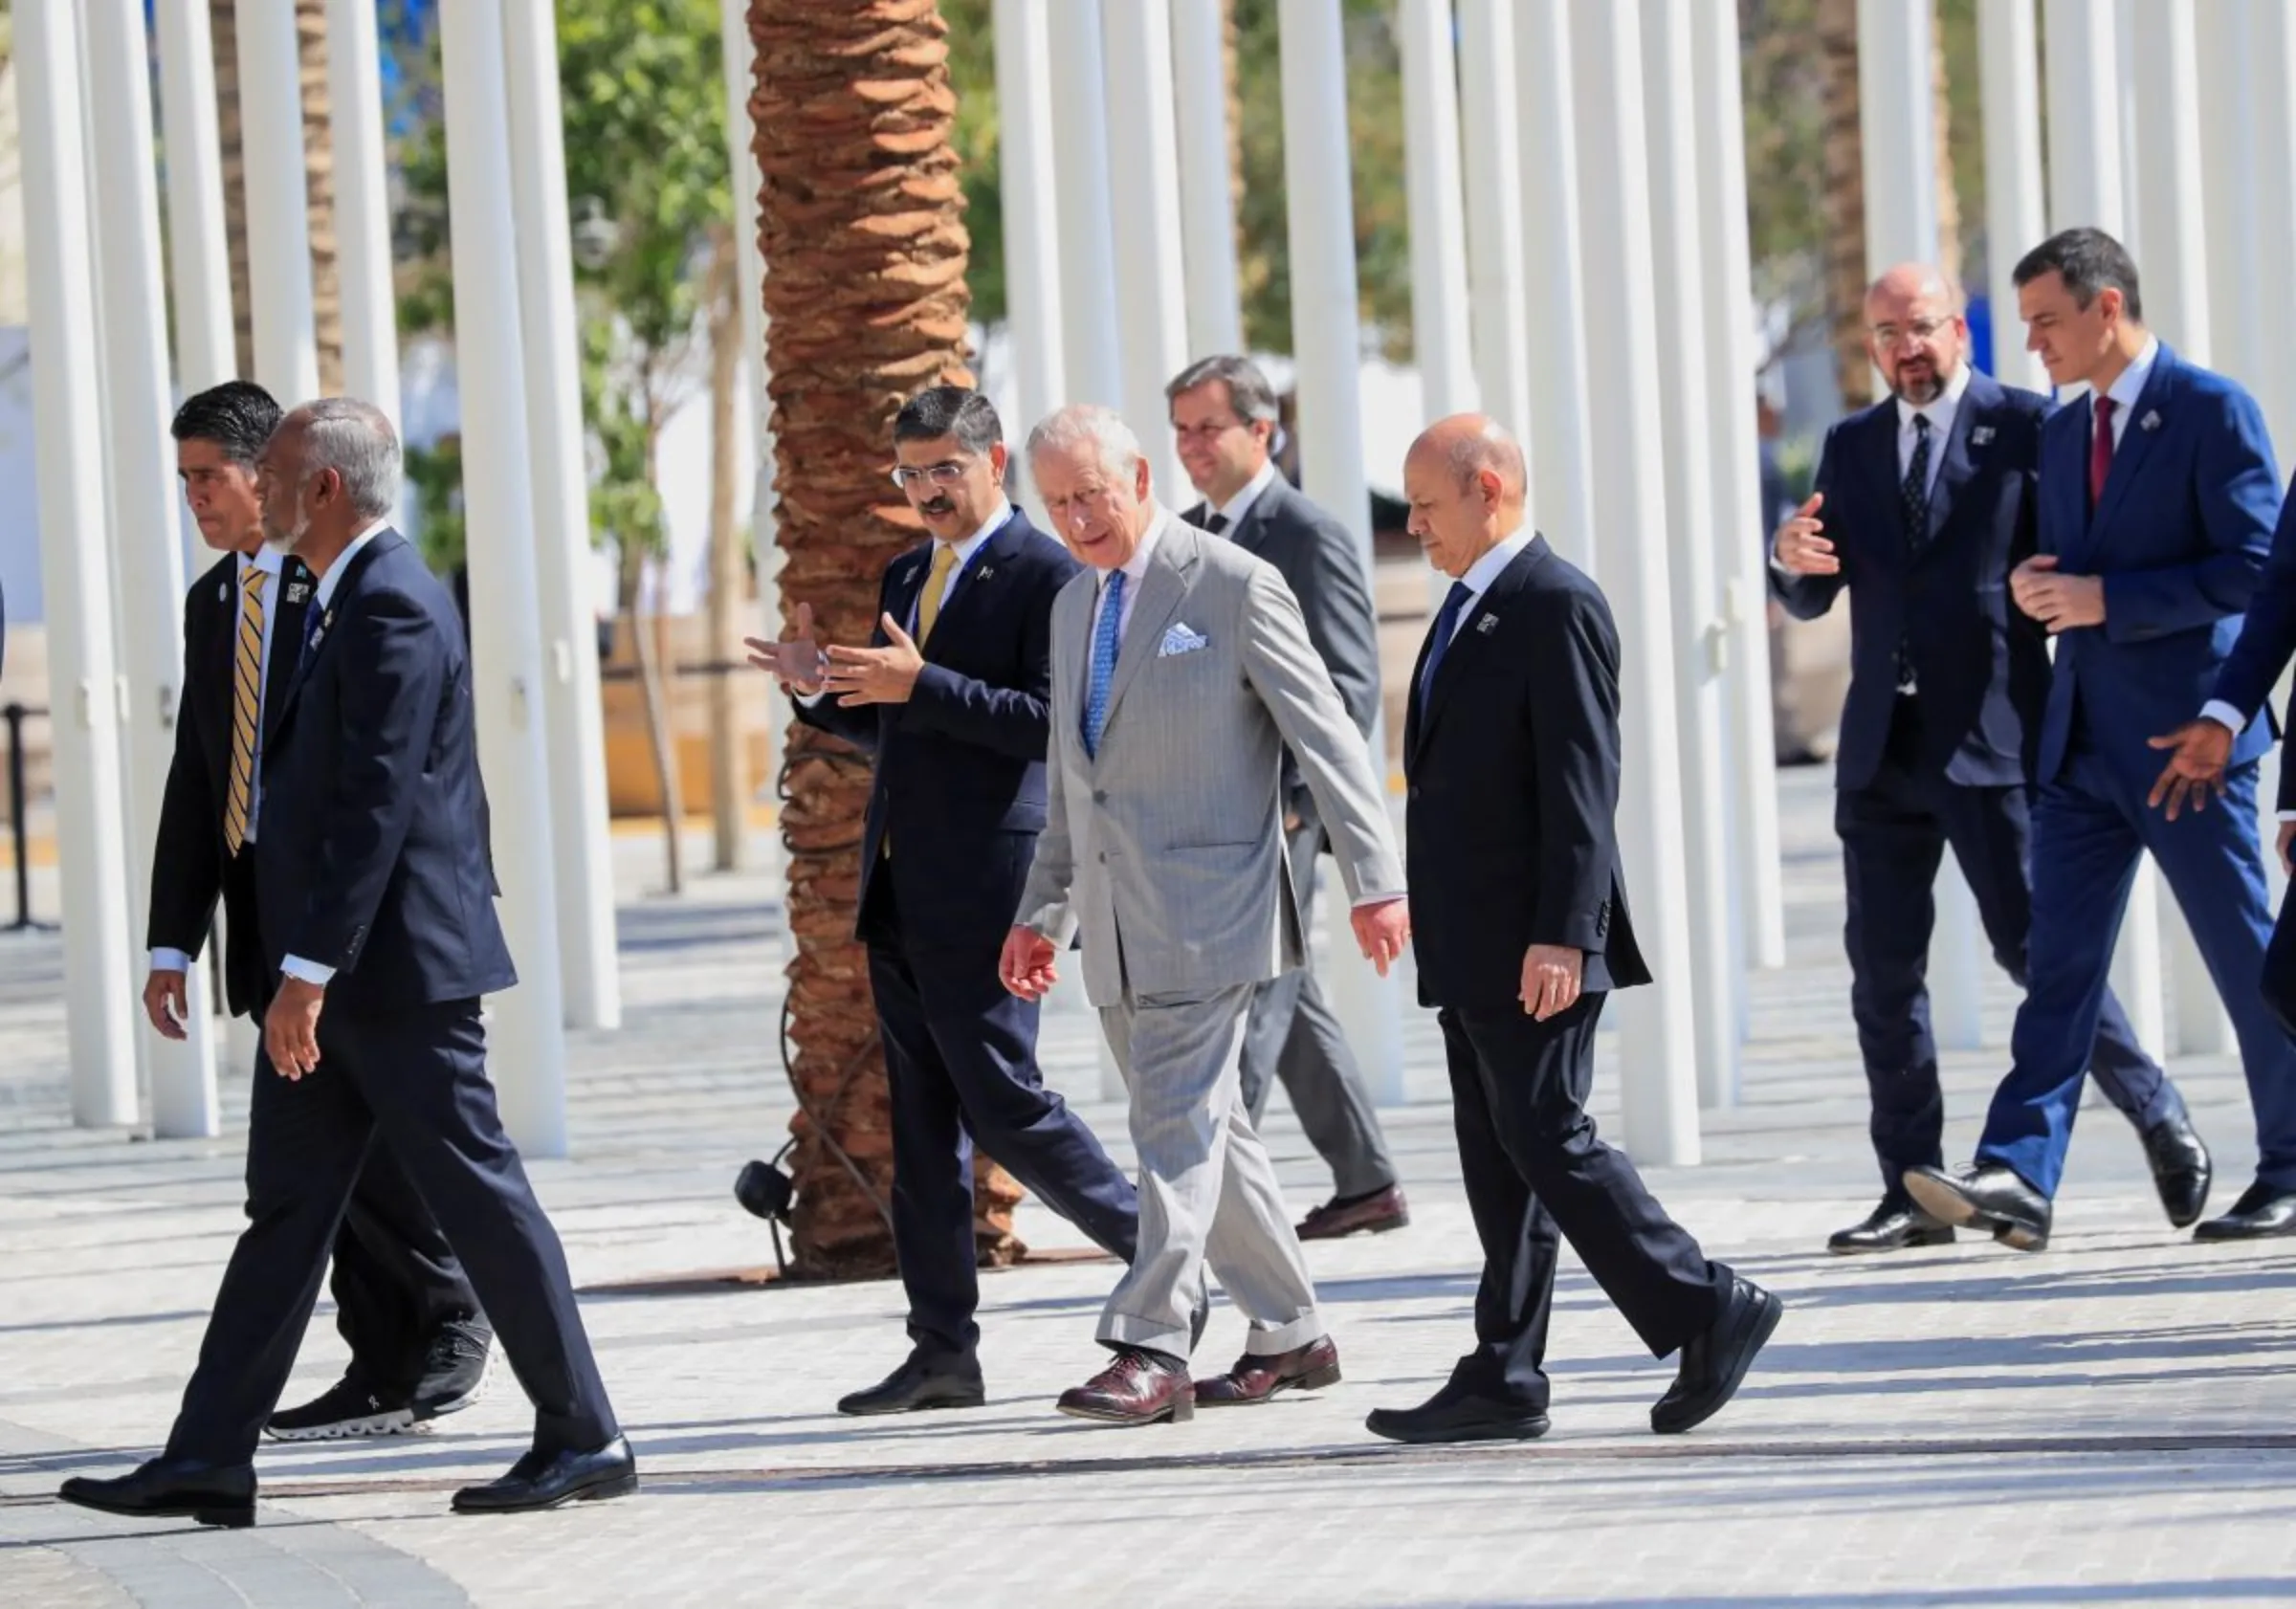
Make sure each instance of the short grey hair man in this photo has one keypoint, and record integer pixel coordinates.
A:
(1088, 423)
(356, 440)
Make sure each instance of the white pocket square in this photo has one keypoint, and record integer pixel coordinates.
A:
(1180, 638)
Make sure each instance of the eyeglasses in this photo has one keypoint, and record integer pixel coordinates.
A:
(947, 472)
(1921, 330)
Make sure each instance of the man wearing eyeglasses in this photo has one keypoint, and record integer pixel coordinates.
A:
(1223, 413)
(951, 698)
(1923, 506)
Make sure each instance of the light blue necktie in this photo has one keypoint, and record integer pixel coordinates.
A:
(1104, 663)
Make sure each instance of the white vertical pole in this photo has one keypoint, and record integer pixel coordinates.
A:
(370, 309)
(1026, 168)
(1151, 274)
(68, 450)
(1442, 331)
(2009, 83)
(2271, 40)
(1325, 344)
(528, 1051)
(1562, 450)
(1498, 287)
(1199, 77)
(1756, 872)
(1088, 241)
(199, 256)
(145, 545)
(1658, 1040)
(549, 390)
(279, 235)
(1690, 541)
(2228, 168)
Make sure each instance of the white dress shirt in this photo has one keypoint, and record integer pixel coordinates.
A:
(2126, 391)
(1134, 569)
(1940, 412)
(1486, 569)
(1238, 506)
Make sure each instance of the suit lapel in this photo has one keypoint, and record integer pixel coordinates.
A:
(976, 576)
(1161, 588)
(1954, 473)
(1476, 625)
(904, 583)
(2137, 441)
(1252, 528)
(295, 586)
(344, 589)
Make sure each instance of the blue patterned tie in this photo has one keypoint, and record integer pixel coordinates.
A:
(1446, 625)
(1104, 662)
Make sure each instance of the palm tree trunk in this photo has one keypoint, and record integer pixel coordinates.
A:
(319, 190)
(223, 30)
(1845, 277)
(1941, 118)
(860, 223)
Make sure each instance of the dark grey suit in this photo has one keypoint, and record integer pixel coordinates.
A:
(1291, 1031)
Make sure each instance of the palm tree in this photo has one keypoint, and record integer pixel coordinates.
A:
(1844, 209)
(860, 223)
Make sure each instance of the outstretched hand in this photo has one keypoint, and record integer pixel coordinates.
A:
(795, 660)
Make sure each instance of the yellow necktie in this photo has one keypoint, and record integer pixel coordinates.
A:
(246, 704)
(937, 582)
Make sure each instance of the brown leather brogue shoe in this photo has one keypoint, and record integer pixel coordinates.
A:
(1256, 1378)
(1135, 1388)
(1339, 1216)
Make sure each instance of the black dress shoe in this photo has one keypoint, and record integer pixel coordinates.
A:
(545, 1479)
(1984, 1196)
(1713, 1365)
(1201, 1316)
(173, 1489)
(1891, 1226)
(925, 1379)
(2181, 1170)
(1458, 1412)
(2261, 1213)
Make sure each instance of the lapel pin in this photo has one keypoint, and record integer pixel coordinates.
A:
(1489, 623)
(1981, 435)
(2150, 421)
(223, 591)
(984, 572)
(297, 591)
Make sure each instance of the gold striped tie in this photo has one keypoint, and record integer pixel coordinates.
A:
(246, 702)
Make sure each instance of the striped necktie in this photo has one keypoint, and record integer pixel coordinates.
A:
(247, 705)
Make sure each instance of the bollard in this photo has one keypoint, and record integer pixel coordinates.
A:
(14, 715)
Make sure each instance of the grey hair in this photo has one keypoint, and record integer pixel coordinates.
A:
(1248, 392)
(355, 440)
(1087, 425)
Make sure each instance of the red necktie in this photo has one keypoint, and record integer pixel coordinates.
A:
(2100, 451)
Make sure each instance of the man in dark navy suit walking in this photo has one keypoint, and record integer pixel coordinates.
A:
(950, 697)
(1924, 504)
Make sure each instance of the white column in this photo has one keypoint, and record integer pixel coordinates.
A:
(1150, 276)
(199, 252)
(371, 308)
(2009, 83)
(1321, 232)
(1690, 540)
(1898, 136)
(1498, 285)
(2272, 41)
(279, 235)
(1088, 243)
(1026, 173)
(528, 1049)
(1658, 1042)
(556, 523)
(68, 451)
(1756, 869)
(1563, 466)
(2228, 170)
(1199, 80)
(145, 545)
(1440, 335)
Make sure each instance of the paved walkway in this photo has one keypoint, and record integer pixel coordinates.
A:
(2106, 1423)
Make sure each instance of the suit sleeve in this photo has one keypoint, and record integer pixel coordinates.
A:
(2269, 635)
(2239, 492)
(187, 861)
(386, 716)
(1574, 717)
(1284, 670)
(1810, 596)
(1044, 903)
(1010, 720)
(1336, 602)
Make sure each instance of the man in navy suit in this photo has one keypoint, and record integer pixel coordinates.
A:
(1519, 915)
(375, 895)
(950, 697)
(2157, 499)
(1923, 505)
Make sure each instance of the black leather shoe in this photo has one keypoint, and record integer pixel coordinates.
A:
(1984, 1196)
(1714, 1364)
(1891, 1226)
(1458, 1412)
(545, 1479)
(173, 1489)
(2181, 1170)
(2261, 1213)
(925, 1379)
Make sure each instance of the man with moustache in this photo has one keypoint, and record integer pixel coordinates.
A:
(1924, 504)
(1518, 910)
(1223, 415)
(2156, 501)
(419, 1348)
(1182, 673)
(950, 697)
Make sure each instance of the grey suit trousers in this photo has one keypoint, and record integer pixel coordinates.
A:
(1208, 1192)
(1291, 1033)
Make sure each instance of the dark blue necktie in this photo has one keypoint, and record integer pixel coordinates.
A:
(313, 618)
(1446, 625)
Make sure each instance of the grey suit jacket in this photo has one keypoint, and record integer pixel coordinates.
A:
(1167, 848)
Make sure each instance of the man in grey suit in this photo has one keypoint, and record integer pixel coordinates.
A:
(1181, 673)
(1223, 415)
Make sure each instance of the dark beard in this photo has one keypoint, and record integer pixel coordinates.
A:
(1924, 392)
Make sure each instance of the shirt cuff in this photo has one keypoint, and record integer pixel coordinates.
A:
(164, 960)
(306, 972)
(2224, 715)
(2287, 815)
(1388, 897)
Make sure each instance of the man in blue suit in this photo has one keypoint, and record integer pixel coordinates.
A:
(1923, 504)
(950, 697)
(2157, 502)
